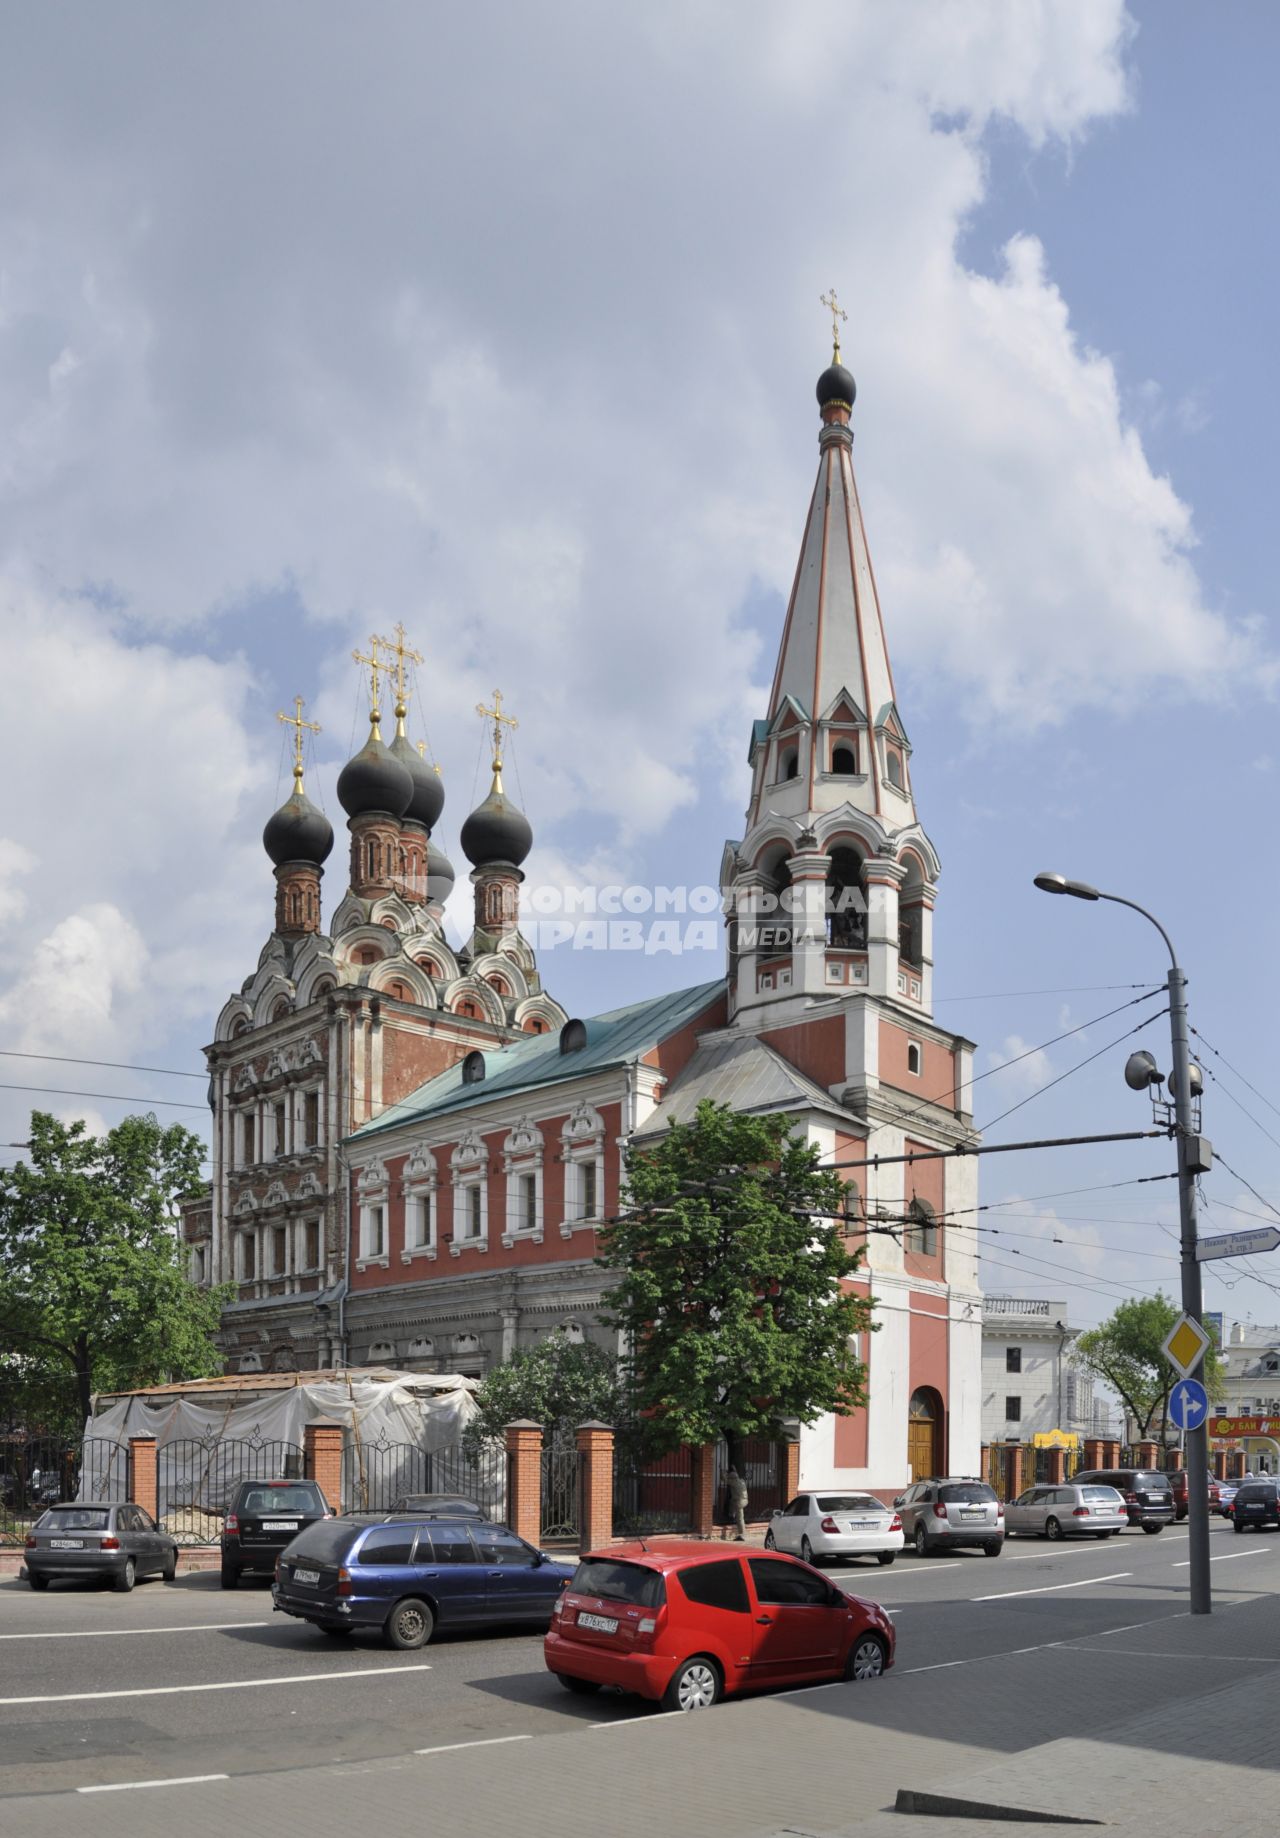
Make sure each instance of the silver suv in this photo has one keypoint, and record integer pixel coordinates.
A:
(943, 1515)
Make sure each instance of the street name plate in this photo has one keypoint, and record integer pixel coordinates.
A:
(1238, 1244)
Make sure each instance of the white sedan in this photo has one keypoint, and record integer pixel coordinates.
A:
(817, 1525)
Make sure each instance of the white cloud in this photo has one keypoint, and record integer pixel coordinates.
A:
(68, 994)
(1030, 1069)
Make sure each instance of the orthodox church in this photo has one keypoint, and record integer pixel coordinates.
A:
(413, 1146)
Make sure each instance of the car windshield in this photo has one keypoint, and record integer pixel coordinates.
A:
(622, 1582)
(271, 1499)
(971, 1493)
(76, 1519)
(848, 1503)
(325, 1542)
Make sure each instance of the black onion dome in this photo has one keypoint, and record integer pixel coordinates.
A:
(374, 780)
(440, 875)
(427, 802)
(836, 388)
(298, 832)
(496, 831)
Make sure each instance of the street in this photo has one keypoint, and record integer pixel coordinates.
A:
(179, 1681)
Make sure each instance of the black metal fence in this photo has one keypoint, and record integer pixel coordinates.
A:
(654, 1495)
(762, 1465)
(561, 1492)
(195, 1478)
(376, 1474)
(34, 1472)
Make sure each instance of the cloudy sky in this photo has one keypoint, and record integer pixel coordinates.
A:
(503, 321)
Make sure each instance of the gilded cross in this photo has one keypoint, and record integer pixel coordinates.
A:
(403, 654)
(296, 722)
(422, 754)
(499, 721)
(376, 667)
(837, 314)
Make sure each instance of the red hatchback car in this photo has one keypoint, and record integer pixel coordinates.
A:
(688, 1623)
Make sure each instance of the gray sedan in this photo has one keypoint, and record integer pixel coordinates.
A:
(1067, 1512)
(115, 1540)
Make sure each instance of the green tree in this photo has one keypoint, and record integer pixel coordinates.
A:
(1125, 1351)
(731, 1260)
(93, 1279)
(556, 1383)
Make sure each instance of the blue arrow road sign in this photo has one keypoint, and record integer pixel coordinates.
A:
(1188, 1404)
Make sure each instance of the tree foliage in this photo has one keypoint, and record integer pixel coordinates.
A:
(93, 1280)
(731, 1264)
(1125, 1351)
(556, 1383)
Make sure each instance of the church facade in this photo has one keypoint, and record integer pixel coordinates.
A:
(474, 1135)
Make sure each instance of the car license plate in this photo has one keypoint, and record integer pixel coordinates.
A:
(600, 1624)
(67, 1544)
(279, 1525)
(863, 1525)
(306, 1576)
(972, 1512)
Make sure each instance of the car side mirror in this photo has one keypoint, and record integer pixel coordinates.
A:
(900, 1500)
(776, 1513)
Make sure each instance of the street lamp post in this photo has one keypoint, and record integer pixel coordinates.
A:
(1197, 1443)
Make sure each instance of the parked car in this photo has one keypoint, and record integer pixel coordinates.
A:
(262, 1518)
(1178, 1487)
(688, 1624)
(1146, 1491)
(844, 1525)
(403, 1578)
(951, 1513)
(1256, 1503)
(1066, 1511)
(437, 1506)
(115, 1540)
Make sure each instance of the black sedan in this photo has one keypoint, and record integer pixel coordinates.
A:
(113, 1539)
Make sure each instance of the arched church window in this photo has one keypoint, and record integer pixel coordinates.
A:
(790, 768)
(497, 985)
(921, 1235)
(844, 762)
(846, 901)
(467, 1010)
(893, 768)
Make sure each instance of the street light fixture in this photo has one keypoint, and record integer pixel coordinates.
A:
(1185, 1082)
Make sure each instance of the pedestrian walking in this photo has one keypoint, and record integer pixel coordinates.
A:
(736, 1497)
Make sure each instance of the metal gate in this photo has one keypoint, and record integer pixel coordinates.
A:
(652, 1496)
(35, 1471)
(764, 1471)
(376, 1474)
(560, 1492)
(196, 1477)
(106, 1470)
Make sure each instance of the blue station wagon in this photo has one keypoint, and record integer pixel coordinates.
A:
(407, 1578)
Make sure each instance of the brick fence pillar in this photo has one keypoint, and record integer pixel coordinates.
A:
(703, 1503)
(1057, 1467)
(1110, 1453)
(142, 1470)
(1017, 1469)
(322, 1455)
(524, 1479)
(1219, 1460)
(1092, 1457)
(1235, 1464)
(1174, 1461)
(1148, 1454)
(790, 1470)
(595, 1485)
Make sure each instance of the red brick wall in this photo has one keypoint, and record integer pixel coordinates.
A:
(673, 1054)
(410, 1058)
(936, 1080)
(816, 1048)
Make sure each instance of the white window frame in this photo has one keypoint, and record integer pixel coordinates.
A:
(374, 1251)
(582, 1144)
(420, 1207)
(300, 1262)
(469, 1164)
(522, 1161)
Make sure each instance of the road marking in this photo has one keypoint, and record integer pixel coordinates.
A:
(1085, 1582)
(179, 1780)
(482, 1742)
(1227, 1557)
(929, 1568)
(120, 1633)
(1235, 1659)
(235, 1684)
(1027, 1556)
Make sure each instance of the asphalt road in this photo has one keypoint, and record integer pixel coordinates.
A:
(180, 1680)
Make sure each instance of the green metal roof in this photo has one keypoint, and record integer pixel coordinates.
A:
(613, 1039)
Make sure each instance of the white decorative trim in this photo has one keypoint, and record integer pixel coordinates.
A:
(372, 1178)
(374, 1263)
(419, 1251)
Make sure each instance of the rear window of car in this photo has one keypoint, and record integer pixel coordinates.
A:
(267, 1498)
(972, 1493)
(1146, 1481)
(622, 1582)
(1256, 1490)
(848, 1503)
(719, 1585)
(1105, 1496)
(325, 1542)
(389, 1544)
(76, 1519)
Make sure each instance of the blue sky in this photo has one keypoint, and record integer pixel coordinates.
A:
(306, 328)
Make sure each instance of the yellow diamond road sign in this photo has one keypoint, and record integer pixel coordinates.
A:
(1186, 1344)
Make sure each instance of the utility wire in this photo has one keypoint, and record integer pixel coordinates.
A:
(1228, 1093)
(1072, 1070)
(1219, 1156)
(113, 1065)
(1238, 1074)
(1080, 989)
(109, 1097)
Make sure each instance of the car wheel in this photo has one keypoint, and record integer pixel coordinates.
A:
(770, 1543)
(127, 1577)
(37, 1582)
(580, 1687)
(885, 1557)
(994, 1548)
(922, 1543)
(410, 1625)
(1237, 1528)
(695, 1685)
(1052, 1530)
(806, 1550)
(867, 1659)
(230, 1576)
(169, 1568)
(1152, 1529)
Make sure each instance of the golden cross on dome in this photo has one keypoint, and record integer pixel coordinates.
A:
(837, 314)
(376, 667)
(403, 654)
(422, 754)
(499, 721)
(296, 722)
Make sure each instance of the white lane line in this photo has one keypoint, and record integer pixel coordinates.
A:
(622, 1722)
(482, 1742)
(1235, 1659)
(119, 1633)
(1028, 1556)
(235, 1684)
(929, 1567)
(1226, 1558)
(179, 1780)
(1086, 1582)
